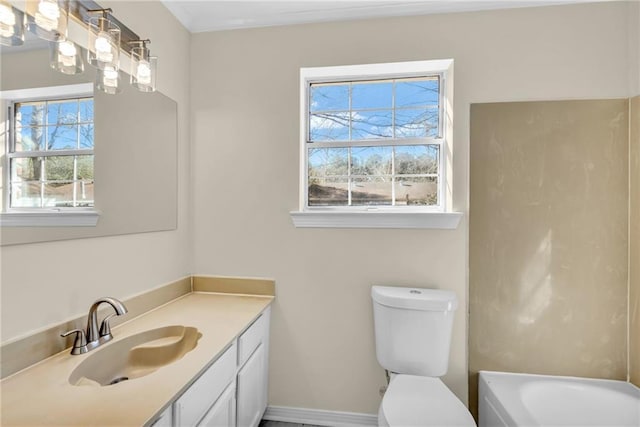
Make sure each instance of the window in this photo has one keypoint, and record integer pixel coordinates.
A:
(51, 154)
(49, 161)
(374, 138)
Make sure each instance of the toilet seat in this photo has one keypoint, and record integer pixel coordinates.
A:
(414, 401)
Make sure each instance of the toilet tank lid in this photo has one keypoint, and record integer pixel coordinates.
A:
(415, 298)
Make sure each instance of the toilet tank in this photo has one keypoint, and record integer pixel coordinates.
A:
(413, 329)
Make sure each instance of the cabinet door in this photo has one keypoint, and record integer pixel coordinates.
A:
(200, 396)
(223, 412)
(252, 396)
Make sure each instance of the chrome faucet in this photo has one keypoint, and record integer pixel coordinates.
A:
(94, 337)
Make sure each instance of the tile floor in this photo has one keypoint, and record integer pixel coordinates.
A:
(265, 423)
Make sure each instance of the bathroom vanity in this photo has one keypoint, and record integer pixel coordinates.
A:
(235, 385)
(221, 381)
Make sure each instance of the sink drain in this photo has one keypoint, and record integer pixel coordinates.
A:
(118, 380)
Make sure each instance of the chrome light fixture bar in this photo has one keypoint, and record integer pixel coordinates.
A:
(83, 10)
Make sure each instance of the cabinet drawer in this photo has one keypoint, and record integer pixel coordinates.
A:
(195, 402)
(251, 338)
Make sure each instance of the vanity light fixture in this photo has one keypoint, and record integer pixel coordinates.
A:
(107, 36)
(65, 57)
(143, 66)
(11, 25)
(104, 41)
(48, 19)
(108, 80)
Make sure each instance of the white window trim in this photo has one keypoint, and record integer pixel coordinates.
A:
(50, 218)
(442, 217)
(372, 219)
(43, 217)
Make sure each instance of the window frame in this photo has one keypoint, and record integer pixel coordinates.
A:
(40, 216)
(392, 216)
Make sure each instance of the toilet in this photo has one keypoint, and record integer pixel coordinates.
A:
(413, 335)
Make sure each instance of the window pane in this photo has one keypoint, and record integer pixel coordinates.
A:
(328, 191)
(417, 159)
(30, 138)
(371, 191)
(326, 97)
(86, 136)
(85, 168)
(417, 92)
(329, 126)
(25, 194)
(84, 194)
(328, 161)
(58, 194)
(62, 137)
(59, 168)
(371, 125)
(30, 114)
(27, 169)
(372, 95)
(421, 191)
(62, 112)
(417, 123)
(86, 110)
(371, 160)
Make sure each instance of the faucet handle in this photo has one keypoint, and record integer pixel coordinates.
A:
(105, 329)
(80, 343)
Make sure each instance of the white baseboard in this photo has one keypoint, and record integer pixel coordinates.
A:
(319, 417)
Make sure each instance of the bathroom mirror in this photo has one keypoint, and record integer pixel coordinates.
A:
(135, 166)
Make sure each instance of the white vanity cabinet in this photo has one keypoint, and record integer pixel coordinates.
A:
(232, 391)
(252, 379)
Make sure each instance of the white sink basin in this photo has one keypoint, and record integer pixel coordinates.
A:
(135, 356)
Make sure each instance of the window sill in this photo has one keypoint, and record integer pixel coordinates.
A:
(324, 219)
(49, 219)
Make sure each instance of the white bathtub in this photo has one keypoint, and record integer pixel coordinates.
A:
(506, 399)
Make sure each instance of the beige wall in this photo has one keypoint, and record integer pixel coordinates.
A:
(245, 173)
(548, 238)
(634, 243)
(634, 47)
(47, 283)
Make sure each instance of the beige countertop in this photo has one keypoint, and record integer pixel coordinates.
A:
(41, 395)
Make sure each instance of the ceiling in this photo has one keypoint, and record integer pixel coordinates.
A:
(216, 15)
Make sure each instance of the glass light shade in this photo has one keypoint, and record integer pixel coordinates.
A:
(108, 80)
(104, 44)
(11, 25)
(48, 19)
(65, 56)
(143, 69)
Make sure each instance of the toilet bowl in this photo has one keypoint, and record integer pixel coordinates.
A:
(415, 401)
(413, 336)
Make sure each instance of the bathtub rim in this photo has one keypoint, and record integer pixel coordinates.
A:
(524, 416)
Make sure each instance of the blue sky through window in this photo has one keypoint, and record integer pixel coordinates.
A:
(400, 108)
